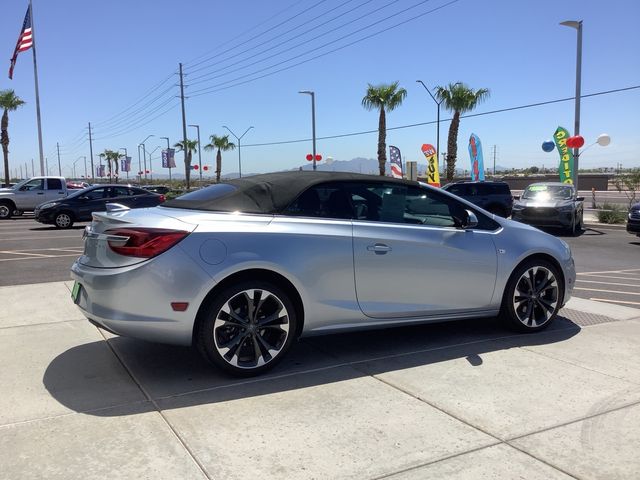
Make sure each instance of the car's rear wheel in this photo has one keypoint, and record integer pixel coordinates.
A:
(533, 296)
(64, 220)
(246, 329)
(5, 210)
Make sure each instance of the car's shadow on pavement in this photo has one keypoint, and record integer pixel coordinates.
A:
(53, 228)
(85, 376)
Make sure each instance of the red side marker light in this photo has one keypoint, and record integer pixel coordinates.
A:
(179, 306)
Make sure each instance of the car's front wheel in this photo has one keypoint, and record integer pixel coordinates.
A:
(533, 296)
(64, 220)
(246, 329)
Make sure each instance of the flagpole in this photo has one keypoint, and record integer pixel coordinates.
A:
(35, 76)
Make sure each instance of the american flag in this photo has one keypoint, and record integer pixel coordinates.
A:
(396, 162)
(25, 40)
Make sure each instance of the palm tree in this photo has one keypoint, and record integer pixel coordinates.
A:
(458, 98)
(8, 102)
(222, 144)
(191, 147)
(111, 156)
(384, 96)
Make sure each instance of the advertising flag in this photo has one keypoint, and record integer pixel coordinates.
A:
(169, 158)
(477, 162)
(100, 171)
(566, 156)
(433, 176)
(125, 164)
(396, 161)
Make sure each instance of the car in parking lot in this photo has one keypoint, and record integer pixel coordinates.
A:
(79, 206)
(242, 268)
(633, 220)
(550, 204)
(494, 197)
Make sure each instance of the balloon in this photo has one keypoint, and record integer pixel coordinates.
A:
(318, 157)
(578, 141)
(548, 146)
(571, 142)
(195, 167)
(604, 140)
(309, 157)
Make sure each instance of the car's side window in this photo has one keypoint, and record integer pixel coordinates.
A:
(405, 204)
(37, 184)
(120, 192)
(329, 200)
(54, 184)
(96, 194)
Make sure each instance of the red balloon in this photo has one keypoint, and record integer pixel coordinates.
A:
(147, 171)
(318, 157)
(195, 167)
(205, 168)
(570, 142)
(578, 141)
(309, 157)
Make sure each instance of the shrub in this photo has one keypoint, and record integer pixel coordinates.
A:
(611, 213)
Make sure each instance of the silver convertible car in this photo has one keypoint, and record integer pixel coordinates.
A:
(241, 269)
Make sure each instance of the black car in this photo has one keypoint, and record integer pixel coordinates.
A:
(162, 189)
(494, 197)
(79, 206)
(633, 222)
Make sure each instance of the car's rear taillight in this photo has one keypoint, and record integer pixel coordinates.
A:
(144, 242)
(162, 198)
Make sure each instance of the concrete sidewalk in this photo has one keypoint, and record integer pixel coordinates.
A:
(465, 400)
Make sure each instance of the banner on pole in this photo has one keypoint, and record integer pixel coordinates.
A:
(477, 161)
(169, 158)
(396, 161)
(125, 164)
(100, 171)
(566, 156)
(433, 175)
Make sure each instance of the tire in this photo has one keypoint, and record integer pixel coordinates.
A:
(63, 220)
(242, 345)
(6, 209)
(526, 311)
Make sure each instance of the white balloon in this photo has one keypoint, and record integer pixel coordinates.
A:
(604, 140)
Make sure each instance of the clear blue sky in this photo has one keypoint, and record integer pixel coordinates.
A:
(97, 58)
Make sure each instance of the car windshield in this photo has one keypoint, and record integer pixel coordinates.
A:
(548, 192)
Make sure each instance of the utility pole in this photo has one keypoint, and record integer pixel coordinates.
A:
(184, 128)
(494, 160)
(59, 169)
(93, 170)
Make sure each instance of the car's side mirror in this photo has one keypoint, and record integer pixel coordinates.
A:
(470, 220)
(580, 199)
(516, 197)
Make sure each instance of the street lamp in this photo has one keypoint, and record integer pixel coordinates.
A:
(238, 140)
(150, 166)
(168, 159)
(313, 121)
(125, 160)
(577, 24)
(199, 151)
(144, 154)
(74, 166)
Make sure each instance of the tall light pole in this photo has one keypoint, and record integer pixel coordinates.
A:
(139, 164)
(238, 139)
(150, 166)
(144, 154)
(197, 127)
(74, 167)
(438, 118)
(168, 159)
(125, 160)
(313, 121)
(577, 24)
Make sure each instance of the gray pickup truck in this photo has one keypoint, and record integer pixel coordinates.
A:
(26, 195)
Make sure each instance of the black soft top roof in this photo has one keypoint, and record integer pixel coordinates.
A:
(269, 193)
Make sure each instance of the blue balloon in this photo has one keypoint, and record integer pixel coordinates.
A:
(548, 146)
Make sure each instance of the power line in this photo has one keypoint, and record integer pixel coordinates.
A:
(138, 126)
(412, 125)
(301, 25)
(219, 87)
(266, 31)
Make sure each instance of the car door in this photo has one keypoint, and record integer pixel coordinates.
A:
(410, 259)
(123, 196)
(31, 194)
(94, 200)
(54, 190)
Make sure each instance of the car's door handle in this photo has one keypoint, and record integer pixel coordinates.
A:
(379, 248)
(40, 193)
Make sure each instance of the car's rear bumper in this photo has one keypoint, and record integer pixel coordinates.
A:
(135, 301)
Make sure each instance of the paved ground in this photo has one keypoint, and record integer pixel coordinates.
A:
(465, 400)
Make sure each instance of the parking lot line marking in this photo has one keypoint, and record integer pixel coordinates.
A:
(611, 271)
(611, 276)
(39, 258)
(17, 252)
(608, 291)
(626, 302)
(609, 283)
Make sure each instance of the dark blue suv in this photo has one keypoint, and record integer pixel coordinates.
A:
(494, 197)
